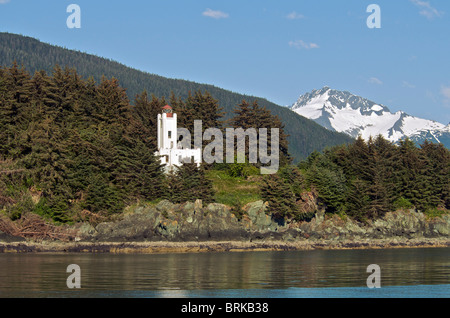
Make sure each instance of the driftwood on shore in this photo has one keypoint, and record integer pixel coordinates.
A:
(32, 226)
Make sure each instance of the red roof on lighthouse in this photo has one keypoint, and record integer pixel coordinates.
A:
(168, 111)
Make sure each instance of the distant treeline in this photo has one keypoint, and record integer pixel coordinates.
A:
(71, 147)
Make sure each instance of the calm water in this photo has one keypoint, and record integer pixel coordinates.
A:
(404, 273)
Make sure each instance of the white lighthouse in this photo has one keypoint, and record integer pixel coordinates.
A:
(168, 148)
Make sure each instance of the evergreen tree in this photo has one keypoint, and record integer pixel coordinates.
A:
(189, 183)
(102, 196)
(378, 169)
(358, 201)
(359, 156)
(199, 106)
(244, 117)
(410, 179)
(146, 113)
(330, 182)
(253, 116)
(295, 179)
(111, 102)
(140, 173)
(282, 203)
(437, 173)
(16, 90)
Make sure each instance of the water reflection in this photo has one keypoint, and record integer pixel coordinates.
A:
(173, 274)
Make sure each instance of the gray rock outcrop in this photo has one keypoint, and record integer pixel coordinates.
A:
(194, 221)
(199, 222)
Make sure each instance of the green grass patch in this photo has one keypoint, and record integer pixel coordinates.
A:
(232, 190)
(435, 212)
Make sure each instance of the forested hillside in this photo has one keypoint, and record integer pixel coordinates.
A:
(71, 148)
(304, 135)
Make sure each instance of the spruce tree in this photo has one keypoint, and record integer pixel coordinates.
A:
(378, 174)
(16, 90)
(358, 201)
(359, 154)
(281, 199)
(437, 174)
(102, 196)
(190, 183)
(410, 180)
(146, 113)
(253, 116)
(140, 173)
(330, 182)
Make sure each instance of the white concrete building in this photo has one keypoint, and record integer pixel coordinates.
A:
(170, 150)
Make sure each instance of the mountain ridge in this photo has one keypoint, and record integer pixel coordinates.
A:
(36, 55)
(354, 115)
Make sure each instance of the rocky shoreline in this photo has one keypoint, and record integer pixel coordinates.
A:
(191, 227)
(202, 247)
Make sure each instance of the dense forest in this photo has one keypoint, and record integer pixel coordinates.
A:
(364, 180)
(36, 56)
(71, 147)
(75, 146)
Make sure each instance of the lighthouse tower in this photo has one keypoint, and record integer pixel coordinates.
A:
(168, 148)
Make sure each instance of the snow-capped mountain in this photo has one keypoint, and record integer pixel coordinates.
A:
(344, 112)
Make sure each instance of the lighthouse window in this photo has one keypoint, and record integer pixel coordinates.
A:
(170, 134)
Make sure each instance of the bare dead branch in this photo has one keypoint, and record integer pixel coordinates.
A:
(32, 226)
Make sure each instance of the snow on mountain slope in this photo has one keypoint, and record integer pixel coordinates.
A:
(344, 112)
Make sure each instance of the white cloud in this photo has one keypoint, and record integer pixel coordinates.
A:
(215, 14)
(294, 16)
(374, 80)
(408, 85)
(299, 44)
(4, 1)
(427, 10)
(445, 91)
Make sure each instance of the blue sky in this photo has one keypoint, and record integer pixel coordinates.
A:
(273, 49)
